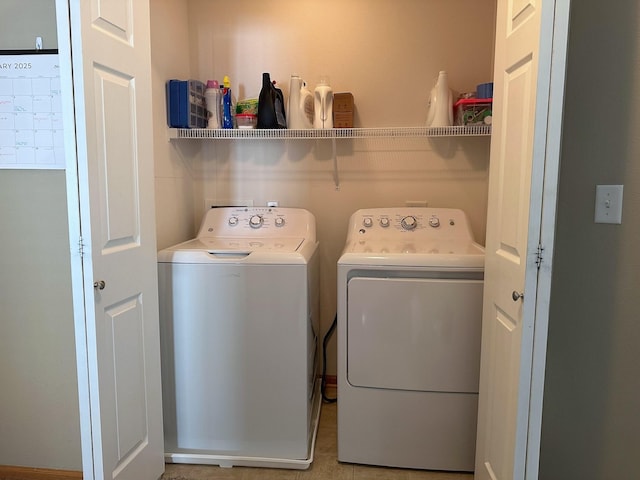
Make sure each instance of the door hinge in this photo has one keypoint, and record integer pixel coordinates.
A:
(539, 251)
(81, 247)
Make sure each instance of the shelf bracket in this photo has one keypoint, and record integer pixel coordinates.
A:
(336, 175)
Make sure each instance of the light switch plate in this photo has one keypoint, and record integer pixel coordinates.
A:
(608, 204)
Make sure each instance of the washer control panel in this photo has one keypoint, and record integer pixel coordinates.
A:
(418, 221)
(257, 222)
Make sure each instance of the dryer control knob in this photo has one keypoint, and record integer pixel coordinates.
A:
(434, 222)
(233, 221)
(367, 222)
(384, 222)
(256, 221)
(409, 222)
(279, 222)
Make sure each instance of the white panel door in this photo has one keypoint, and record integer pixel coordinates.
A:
(110, 48)
(524, 154)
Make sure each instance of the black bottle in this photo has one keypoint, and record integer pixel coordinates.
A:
(271, 112)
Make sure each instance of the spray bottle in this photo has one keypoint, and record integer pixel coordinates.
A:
(227, 104)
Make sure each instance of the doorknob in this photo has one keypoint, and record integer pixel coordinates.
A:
(517, 295)
(100, 284)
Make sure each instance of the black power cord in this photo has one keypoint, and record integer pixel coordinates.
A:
(323, 384)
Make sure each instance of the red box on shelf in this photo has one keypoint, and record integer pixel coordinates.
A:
(473, 111)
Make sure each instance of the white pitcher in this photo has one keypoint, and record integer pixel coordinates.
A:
(300, 106)
(440, 103)
(323, 105)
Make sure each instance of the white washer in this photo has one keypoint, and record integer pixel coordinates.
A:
(410, 284)
(239, 309)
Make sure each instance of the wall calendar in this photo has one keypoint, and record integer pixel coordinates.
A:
(31, 133)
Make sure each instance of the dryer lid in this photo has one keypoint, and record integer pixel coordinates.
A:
(383, 246)
(395, 252)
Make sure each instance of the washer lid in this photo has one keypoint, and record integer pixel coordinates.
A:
(258, 250)
(235, 245)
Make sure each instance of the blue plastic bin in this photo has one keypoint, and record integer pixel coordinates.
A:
(186, 106)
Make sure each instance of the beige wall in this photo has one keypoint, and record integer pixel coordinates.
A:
(388, 54)
(39, 416)
(177, 188)
(591, 416)
(24, 20)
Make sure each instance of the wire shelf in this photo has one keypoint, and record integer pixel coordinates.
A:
(383, 132)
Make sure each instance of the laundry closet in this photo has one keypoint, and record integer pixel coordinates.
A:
(603, 40)
(387, 54)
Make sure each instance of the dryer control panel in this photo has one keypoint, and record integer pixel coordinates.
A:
(411, 237)
(258, 222)
(421, 222)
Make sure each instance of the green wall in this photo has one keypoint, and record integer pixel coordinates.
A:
(591, 412)
(39, 417)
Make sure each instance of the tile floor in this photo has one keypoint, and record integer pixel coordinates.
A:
(325, 464)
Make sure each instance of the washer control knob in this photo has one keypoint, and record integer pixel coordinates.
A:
(256, 221)
(279, 222)
(434, 222)
(367, 222)
(233, 221)
(384, 222)
(409, 222)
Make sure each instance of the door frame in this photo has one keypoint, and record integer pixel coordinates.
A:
(553, 50)
(75, 211)
(546, 167)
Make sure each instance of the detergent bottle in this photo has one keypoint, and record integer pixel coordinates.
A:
(300, 106)
(323, 104)
(440, 103)
(271, 112)
(212, 98)
(307, 104)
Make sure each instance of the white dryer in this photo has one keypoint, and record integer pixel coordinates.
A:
(239, 310)
(410, 284)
